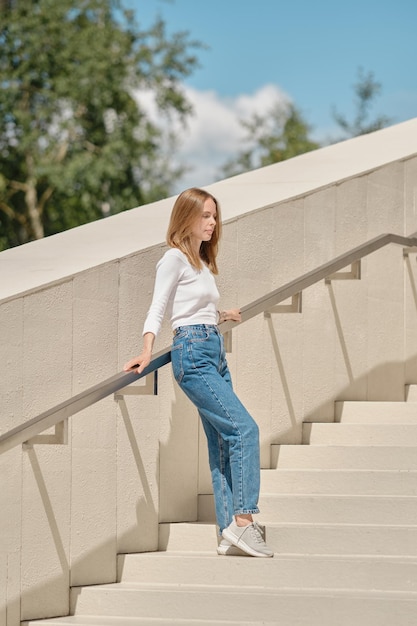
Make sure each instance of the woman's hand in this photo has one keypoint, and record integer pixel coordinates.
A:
(138, 363)
(231, 315)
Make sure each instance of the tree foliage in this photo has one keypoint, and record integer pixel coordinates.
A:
(74, 143)
(366, 89)
(279, 135)
(283, 132)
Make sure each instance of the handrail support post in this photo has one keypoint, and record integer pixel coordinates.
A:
(354, 274)
(296, 306)
(150, 388)
(410, 250)
(58, 438)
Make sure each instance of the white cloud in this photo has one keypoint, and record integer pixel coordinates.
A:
(214, 133)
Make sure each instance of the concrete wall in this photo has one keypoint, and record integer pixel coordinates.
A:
(71, 312)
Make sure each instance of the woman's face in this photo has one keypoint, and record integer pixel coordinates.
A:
(205, 224)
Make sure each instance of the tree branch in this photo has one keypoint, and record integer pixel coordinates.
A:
(62, 151)
(44, 198)
(18, 186)
(12, 214)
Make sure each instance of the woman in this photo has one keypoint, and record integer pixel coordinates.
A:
(185, 289)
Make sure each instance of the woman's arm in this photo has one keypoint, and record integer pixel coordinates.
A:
(167, 276)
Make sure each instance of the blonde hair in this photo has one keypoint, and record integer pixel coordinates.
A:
(187, 209)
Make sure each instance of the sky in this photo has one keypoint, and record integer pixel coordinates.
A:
(306, 51)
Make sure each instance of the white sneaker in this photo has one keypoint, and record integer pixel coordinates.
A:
(247, 538)
(225, 548)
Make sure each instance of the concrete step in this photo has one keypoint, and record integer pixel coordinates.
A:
(96, 620)
(327, 509)
(193, 602)
(376, 412)
(411, 393)
(344, 457)
(353, 482)
(302, 538)
(282, 572)
(360, 434)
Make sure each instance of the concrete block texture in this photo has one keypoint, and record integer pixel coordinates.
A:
(138, 414)
(46, 470)
(410, 195)
(45, 542)
(137, 497)
(410, 287)
(93, 432)
(11, 413)
(10, 553)
(12, 350)
(68, 322)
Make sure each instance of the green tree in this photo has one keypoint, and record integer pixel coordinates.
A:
(279, 135)
(74, 143)
(366, 89)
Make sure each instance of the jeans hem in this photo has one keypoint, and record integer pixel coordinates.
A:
(247, 511)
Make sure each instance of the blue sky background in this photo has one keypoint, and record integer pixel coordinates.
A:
(305, 50)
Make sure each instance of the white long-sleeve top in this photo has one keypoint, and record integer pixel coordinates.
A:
(185, 294)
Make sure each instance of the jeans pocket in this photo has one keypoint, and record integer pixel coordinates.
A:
(177, 362)
(200, 335)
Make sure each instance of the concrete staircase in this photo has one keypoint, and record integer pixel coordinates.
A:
(341, 515)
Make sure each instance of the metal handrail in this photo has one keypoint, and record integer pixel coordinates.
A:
(57, 414)
(323, 271)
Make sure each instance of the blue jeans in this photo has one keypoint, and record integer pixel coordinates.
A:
(200, 368)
